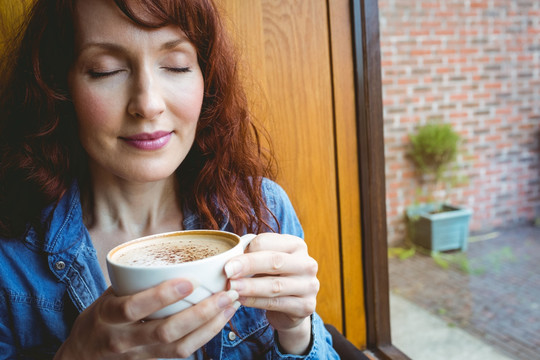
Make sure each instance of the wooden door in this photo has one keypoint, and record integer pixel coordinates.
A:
(299, 65)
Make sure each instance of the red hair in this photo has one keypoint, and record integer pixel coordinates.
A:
(40, 154)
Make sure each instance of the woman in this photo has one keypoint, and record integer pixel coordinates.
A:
(122, 119)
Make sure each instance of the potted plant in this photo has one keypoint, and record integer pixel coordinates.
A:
(433, 223)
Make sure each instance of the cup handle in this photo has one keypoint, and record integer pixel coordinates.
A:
(246, 239)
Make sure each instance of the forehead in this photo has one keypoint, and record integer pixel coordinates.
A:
(102, 20)
(95, 14)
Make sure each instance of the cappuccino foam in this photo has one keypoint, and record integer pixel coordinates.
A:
(171, 250)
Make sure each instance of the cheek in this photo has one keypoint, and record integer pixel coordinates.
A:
(92, 109)
(185, 99)
(187, 110)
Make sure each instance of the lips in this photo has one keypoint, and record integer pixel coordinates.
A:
(148, 141)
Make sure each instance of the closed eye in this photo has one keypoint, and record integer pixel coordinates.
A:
(102, 74)
(178, 69)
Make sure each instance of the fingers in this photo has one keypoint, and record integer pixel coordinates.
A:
(189, 320)
(282, 243)
(274, 286)
(295, 307)
(182, 334)
(291, 295)
(276, 274)
(135, 307)
(272, 254)
(117, 332)
(270, 262)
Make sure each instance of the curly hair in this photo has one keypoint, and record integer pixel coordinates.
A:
(40, 153)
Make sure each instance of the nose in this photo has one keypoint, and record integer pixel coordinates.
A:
(146, 101)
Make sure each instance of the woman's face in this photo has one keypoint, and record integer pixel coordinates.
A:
(137, 94)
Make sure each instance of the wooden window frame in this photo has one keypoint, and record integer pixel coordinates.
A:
(369, 117)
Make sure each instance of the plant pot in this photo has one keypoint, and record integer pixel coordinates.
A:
(440, 231)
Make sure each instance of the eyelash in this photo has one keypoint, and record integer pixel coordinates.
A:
(99, 75)
(179, 70)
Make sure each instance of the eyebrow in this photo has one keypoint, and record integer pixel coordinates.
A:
(103, 45)
(173, 43)
(169, 45)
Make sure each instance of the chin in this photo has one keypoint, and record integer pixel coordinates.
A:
(137, 172)
(150, 176)
(146, 174)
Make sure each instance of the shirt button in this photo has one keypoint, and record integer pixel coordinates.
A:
(232, 336)
(60, 265)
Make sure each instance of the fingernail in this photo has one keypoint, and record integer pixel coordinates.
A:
(229, 312)
(232, 294)
(232, 268)
(227, 298)
(237, 285)
(184, 287)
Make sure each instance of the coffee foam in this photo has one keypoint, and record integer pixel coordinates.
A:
(171, 250)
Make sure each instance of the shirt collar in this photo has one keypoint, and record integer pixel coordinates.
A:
(66, 226)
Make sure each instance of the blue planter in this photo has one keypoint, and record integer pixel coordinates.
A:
(441, 231)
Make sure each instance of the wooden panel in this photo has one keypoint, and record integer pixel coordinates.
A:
(299, 116)
(347, 170)
(11, 15)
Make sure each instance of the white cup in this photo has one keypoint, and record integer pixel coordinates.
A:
(207, 274)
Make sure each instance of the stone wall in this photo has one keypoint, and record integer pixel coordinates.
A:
(475, 64)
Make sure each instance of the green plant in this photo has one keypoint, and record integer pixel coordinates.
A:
(478, 265)
(434, 147)
(434, 150)
(401, 253)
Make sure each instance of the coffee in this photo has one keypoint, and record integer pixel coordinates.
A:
(170, 250)
(148, 261)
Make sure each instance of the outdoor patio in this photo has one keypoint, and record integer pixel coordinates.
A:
(491, 292)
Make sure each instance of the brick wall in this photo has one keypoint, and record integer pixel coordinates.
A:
(475, 64)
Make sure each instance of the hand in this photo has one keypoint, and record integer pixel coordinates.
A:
(283, 282)
(113, 327)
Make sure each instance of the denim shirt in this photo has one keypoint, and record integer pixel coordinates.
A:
(44, 285)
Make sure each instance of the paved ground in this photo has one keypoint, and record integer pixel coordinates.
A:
(432, 338)
(491, 292)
